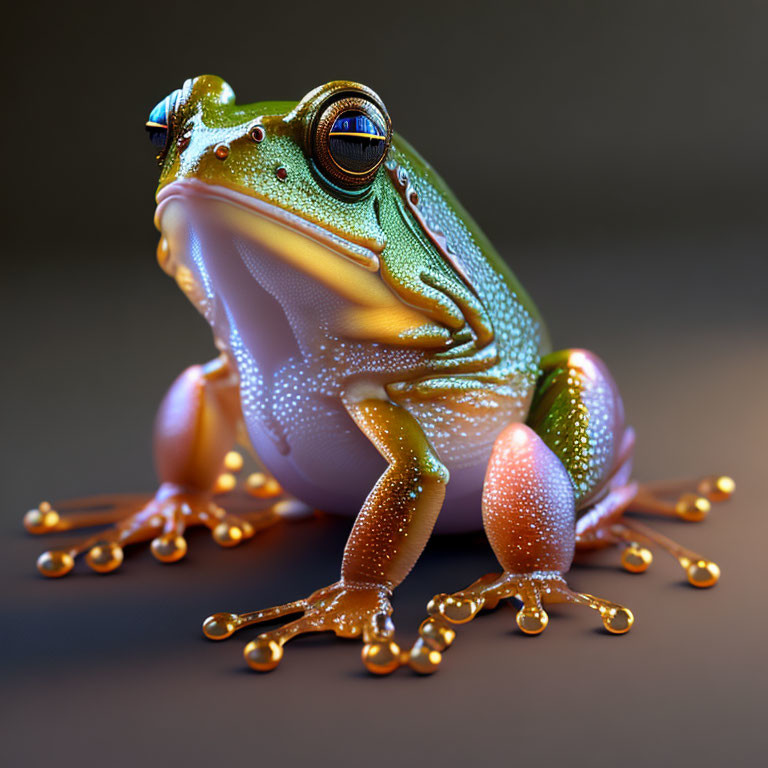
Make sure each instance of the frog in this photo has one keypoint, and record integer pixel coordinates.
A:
(379, 359)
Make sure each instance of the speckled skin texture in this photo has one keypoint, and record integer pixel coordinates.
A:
(463, 362)
(389, 544)
(528, 504)
(421, 310)
(579, 414)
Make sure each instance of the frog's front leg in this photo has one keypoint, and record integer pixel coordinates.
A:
(529, 517)
(387, 538)
(194, 430)
(563, 460)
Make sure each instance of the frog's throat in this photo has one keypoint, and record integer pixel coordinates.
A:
(368, 308)
(360, 255)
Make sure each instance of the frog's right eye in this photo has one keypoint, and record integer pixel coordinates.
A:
(158, 123)
(349, 136)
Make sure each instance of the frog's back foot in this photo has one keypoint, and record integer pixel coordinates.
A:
(613, 520)
(689, 500)
(134, 518)
(529, 505)
(531, 590)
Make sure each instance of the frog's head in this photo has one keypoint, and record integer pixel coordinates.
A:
(313, 165)
(289, 196)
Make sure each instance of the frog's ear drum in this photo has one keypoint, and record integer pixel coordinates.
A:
(350, 137)
(158, 123)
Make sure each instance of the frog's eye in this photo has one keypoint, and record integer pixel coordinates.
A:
(158, 123)
(350, 138)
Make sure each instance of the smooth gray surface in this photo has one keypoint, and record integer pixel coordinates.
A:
(625, 181)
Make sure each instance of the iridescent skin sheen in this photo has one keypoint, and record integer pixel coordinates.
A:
(381, 360)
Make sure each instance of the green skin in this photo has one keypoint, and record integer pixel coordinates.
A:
(410, 264)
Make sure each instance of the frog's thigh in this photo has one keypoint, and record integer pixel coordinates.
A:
(578, 413)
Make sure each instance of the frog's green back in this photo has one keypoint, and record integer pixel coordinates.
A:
(473, 249)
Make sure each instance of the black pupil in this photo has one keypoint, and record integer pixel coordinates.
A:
(157, 136)
(356, 142)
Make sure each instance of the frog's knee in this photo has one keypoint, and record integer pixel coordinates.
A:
(528, 504)
(420, 461)
(575, 357)
(422, 471)
(434, 471)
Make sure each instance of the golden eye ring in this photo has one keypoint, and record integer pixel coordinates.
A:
(350, 137)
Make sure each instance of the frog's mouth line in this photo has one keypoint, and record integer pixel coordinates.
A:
(194, 188)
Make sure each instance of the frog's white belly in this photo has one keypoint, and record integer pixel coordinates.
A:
(332, 466)
(277, 324)
(297, 423)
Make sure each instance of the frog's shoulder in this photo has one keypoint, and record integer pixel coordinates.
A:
(444, 214)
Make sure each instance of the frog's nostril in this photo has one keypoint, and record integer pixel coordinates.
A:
(257, 134)
(221, 151)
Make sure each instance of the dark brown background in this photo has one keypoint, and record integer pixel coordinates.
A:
(617, 153)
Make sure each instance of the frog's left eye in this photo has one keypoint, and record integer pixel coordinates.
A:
(158, 123)
(350, 138)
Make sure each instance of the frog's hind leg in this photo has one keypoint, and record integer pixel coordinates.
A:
(560, 482)
(538, 476)
(195, 428)
(578, 412)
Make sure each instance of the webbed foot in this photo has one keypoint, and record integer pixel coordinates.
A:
(163, 518)
(348, 610)
(533, 590)
(690, 501)
(134, 519)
